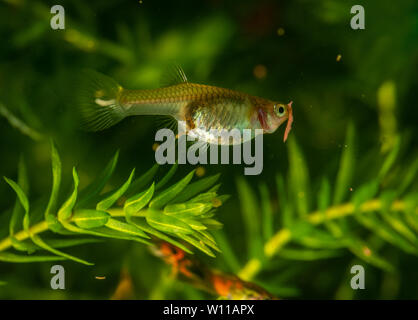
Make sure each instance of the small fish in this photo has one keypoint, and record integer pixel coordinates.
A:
(103, 103)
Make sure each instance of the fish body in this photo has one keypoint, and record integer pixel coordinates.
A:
(204, 109)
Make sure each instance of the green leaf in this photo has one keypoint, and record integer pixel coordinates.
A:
(56, 182)
(347, 163)
(267, 211)
(123, 227)
(10, 257)
(207, 239)
(286, 211)
(324, 195)
(111, 233)
(18, 211)
(220, 200)
(395, 221)
(170, 193)
(167, 223)
(301, 229)
(55, 225)
(102, 232)
(204, 197)
(298, 178)
(139, 183)
(308, 255)
(167, 177)
(250, 214)
(215, 188)
(409, 177)
(208, 214)
(140, 223)
(365, 192)
(27, 246)
(196, 187)
(65, 243)
(110, 200)
(89, 218)
(390, 159)
(368, 254)
(321, 239)
(23, 200)
(411, 213)
(137, 202)
(187, 209)
(198, 244)
(37, 240)
(208, 235)
(194, 224)
(228, 253)
(98, 184)
(212, 224)
(23, 182)
(371, 222)
(64, 213)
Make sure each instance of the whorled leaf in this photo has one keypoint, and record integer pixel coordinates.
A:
(167, 177)
(64, 213)
(204, 197)
(197, 187)
(170, 193)
(89, 218)
(139, 201)
(140, 223)
(347, 163)
(166, 223)
(141, 182)
(23, 200)
(251, 217)
(183, 220)
(11, 257)
(26, 223)
(111, 199)
(98, 184)
(298, 178)
(198, 244)
(187, 209)
(18, 210)
(126, 228)
(56, 182)
(267, 213)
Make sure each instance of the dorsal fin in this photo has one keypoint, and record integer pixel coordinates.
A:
(172, 76)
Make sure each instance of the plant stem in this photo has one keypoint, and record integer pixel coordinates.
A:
(271, 247)
(283, 236)
(23, 235)
(42, 226)
(343, 210)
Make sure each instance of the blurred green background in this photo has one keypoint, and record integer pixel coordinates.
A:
(297, 50)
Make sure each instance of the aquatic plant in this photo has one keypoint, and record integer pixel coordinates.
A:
(139, 210)
(363, 216)
(305, 221)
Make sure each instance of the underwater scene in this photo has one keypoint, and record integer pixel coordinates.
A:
(195, 150)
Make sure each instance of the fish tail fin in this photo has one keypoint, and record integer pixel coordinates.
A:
(98, 101)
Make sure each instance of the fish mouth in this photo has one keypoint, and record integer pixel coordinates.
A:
(289, 121)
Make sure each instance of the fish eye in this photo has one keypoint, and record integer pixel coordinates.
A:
(280, 111)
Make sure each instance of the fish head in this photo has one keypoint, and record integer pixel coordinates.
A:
(277, 113)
